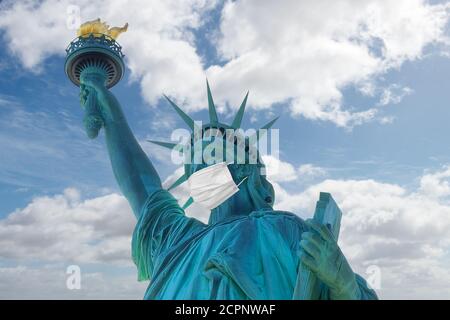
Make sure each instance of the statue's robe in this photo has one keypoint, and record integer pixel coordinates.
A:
(245, 257)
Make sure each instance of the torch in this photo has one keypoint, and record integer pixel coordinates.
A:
(95, 51)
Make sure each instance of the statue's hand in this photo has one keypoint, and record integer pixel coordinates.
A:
(92, 89)
(321, 253)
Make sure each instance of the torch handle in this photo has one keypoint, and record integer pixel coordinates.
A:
(92, 120)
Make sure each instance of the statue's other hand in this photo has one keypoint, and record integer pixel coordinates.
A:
(321, 253)
(91, 88)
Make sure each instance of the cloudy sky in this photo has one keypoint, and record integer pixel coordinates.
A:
(362, 88)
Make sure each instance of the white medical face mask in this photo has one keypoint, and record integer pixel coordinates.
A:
(212, 185)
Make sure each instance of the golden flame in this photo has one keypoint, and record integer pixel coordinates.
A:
(97, 28)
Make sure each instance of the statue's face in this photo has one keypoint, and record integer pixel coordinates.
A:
(256, 191)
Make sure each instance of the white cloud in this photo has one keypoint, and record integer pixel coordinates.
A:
(309, 170)
(303, 53)
(307, 52)
(277, 170)
(386, 120)
(281, 171)
(436, 184)
(49, 282)
(65, 228)
(39, 241)
(394, 94)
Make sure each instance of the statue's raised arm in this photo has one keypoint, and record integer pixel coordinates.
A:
(134, 172)
(95, 63)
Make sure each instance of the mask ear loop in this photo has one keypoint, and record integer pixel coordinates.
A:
(232, 162)
(242, 181)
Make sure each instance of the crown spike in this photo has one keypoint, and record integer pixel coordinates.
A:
(240, 114)
(265, 127)
(211, 107)
(179, 181)
(168, 145)
(270, 123)
(182, 114)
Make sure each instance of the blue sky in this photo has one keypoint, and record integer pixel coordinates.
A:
(398, 156)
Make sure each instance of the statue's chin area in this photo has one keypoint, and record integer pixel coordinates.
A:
(92, 125)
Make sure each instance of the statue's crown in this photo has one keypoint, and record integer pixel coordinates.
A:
(214, 123)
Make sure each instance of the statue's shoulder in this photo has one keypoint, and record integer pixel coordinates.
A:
(280, 217)
(283, 223)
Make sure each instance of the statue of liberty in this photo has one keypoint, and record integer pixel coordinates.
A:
(247, 250)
